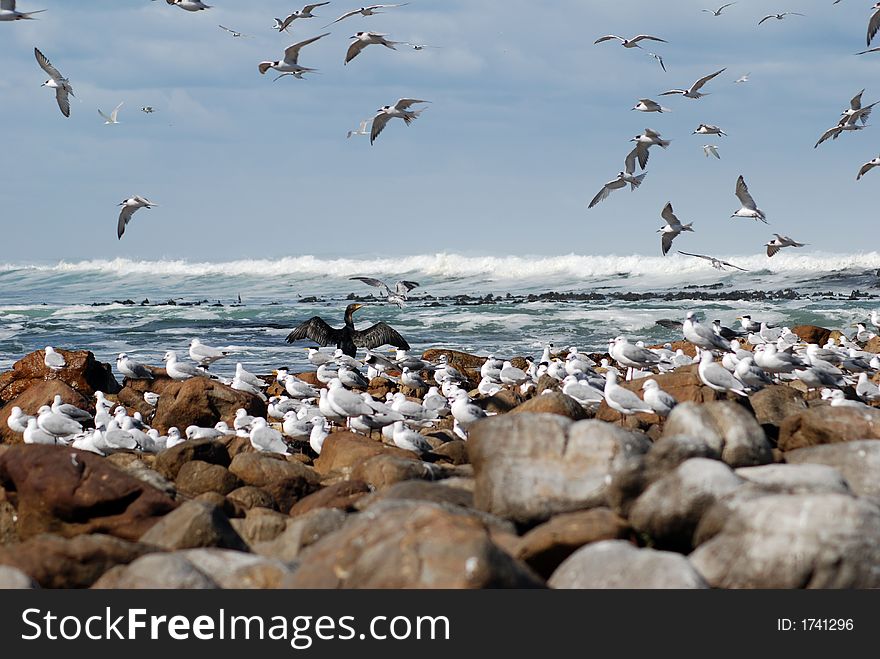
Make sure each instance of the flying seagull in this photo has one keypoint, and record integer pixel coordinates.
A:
(364, 39)
(8, 12)
(870, 50)
(148, 109)
(694, 91)
(347, 338)
(643, 142)
(779, 17)
(873, 23)
(659, 59)
(366, 11)
(711, 150)
(112, 118)
(620, 182)
(189, 5)
(856, 112)
(742, 78)
(717, 12)
(779, 242)
(629, 43)
(835, 131)
(362, 129)
(868, 166)
(234, 33)
(647, 105)
(718, 264)
(672, 228)
(56, 81)
(397, 295)
(290, 62)
(129, 206)
(749, 208)
(305, 12)
(708, 129)
(400, 110)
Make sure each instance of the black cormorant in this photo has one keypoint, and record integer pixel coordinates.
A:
(348, 338)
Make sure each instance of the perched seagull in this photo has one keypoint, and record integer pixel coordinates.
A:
(234, 33)
(873, 23)
(711, 150)
(291, 56)
(718, 264)
(305, 12)
(129, 206)
(365, 11)
(56, 81)
(397, 295)
(629, 43)
(620, 182)
(703, 336)
(112, 118)
(399, 110)
(643, 142)
(623, 400)
(659, 59)
(779, 17)
(8, 12)
(53, 360)
(151, 398)
(189, 5)
(779, 242)
(364, 39)
(743, 78)
(708, 129)
(647, 105)
(717, 12)
(749, 208)
(204, 355)
(180, 371)
(132, 369)
(148, 109)
(362, 130)
(660, 401)
(716, 377)
(694, 90)
(868, 166)
(672, 229)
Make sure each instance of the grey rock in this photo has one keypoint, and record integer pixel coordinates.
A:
(14, 579)
(796, 478)
(194, 524)
(858, 462)
(300, 532)
(156, 571)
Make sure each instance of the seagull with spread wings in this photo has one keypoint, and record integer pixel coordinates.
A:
(711, 150)
(694, 90)
(749, 208)
(868, 166)
(234, 33)
(779, 17)
(112, 118)
(399, 110)
(8, 12)
(56, 81)
(673, 227)
(129, 206)
(717, 12)
(366, 11)
(397, 295)
(305, 12)
(629, 43)
(620, 182)
(290, 63)
(364, 39)
(718, 264)
(779, 242)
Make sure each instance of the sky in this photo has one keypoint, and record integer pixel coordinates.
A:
(528, 119)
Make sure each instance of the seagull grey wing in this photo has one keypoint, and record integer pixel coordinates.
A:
(607, 37)
(642, 153)
(291, 53)
(699, 256)
(354, 50)
(379, 334)
(347, 14)
(702, 81)
(856, 102)
(63, 100)
(103, 115)
(404, 286)
(8, 5)
(44, 63)
(873, 26)
(766, 18)
(730, 265)
(672, 91)
(772, 248)
(831, 132)
(369, 281)
(630, 163)
(648, 37)
(406, 103)
(317, 330)
(124, 218)
(379, 123)
(668, 215)
(666, 242)
(308, 8)
(867, 167)
(602, 195)
(742, 192)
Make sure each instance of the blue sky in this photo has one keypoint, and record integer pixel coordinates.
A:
(528, 119)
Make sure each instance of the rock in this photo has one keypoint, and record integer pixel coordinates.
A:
(343, 451)
(553, 403)
(41, 392)
(419, 491)
(794, 541)
(618, 564)
(670, 451)
(548, 383)
(796, 479)
(398, 544)
(501, 403)
(192, 525)
(169, 461)
(454, 451)
(250, 497)
(828, 425)
(458, 360)
(202, 402)
(56, 562)
(873, 345)
(343, 495)
(858, 462)
(8, 521)
(226, 506)
(134, 402)
(546, 546)
(14, 579)
(83, 373)
(776, 402)
(70, 492)
(160, 382)
(726, 427)
(529, 467)
(196, 477)
(260, 525)
(382, 471)
(812, 334)
(300, 532)
(285, 481)
(670, 509)
(233, 569)
(157, 571)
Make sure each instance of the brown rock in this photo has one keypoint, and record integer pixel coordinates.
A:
(828, 425)
(70, 492)
(39, 393)
(343, 451)
(83, 373)
(234, 569)
(157, 385)
(8, 521)
(383, 470)
(286, 482)
(417, 490)
(301, 532)
(857, 461)
(454, 451)
(194, 524)
(812, 334)
(553, 403)
(212, 451)
(250, 497)
(774, 403)
(160, 570)
(134, 402)
(229, 507)
(458, 360)
(501, 403)
(873, 345)
(260, 525)
(56, 562)
(196, 477)
(546, 546)
(202, 402)
(341, 495)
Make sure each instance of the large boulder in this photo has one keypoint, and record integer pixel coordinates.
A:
(260, 525)
(619, 564)
(858, 462)
(39, 393)
(300, 532)
(212, 451)
(285, 481)
(812, 334)
(70, 492)
(774, 403)
(828, 425)
(162, 570)
(343, 451)
(342, 495)
(234, 569)
(407, 544)
(553, 403)
(384, 470)
(796, 478)
(202, 402)
(529, 467)
(197, 477)
(194, 524)
(792, 541)
(83, 373)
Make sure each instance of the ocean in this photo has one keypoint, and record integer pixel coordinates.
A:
(507, 306)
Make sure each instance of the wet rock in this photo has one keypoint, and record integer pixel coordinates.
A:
(70, 492)
(553, 403)
(381, 471)
(794, 541)
(14, 579)
(618, 564)
(343, 495)
(202, 402)
(828, 425)
(857, 461)
(796, 478)
(343, 451)
(157, 571)
(529, 467)
(285, 481)
(169, 461)
(403, 544)
(83, 373)
(41, 392)
(194, 524)
(197, 477)
(301, 532)
(547, 545)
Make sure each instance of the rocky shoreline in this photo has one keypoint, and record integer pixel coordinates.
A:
(775, 490)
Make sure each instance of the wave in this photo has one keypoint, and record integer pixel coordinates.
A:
(456, 266)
